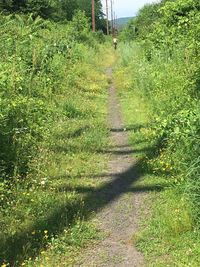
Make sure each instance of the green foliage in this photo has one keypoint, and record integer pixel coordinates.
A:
(23, 126)
(52, 123)
(68, 8)
(165, 73)
(159, 106)
(55, 10)
(31, 75)
(170, 79)
(85, 5)
(147, 16)
(129, 32)
(142, 24)
(80, 27)
(43, 8)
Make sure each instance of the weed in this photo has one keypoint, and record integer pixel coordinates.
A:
(157, 119)
(52, 112)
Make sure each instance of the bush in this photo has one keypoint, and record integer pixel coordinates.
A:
(33, 71)
(166, 72)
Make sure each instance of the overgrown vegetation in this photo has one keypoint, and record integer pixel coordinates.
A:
(59, 11)
(163, 69)
(52, 127)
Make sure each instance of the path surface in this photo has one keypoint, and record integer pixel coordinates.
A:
(118, 217)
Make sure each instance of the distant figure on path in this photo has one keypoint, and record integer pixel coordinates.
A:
(115, 42)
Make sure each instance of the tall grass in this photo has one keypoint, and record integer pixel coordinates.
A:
(165, 87)
(168, 87)
(52, 123)
(38, 60)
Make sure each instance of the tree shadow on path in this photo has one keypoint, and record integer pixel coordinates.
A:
(15, 249)
(130, 128)
(23, 246)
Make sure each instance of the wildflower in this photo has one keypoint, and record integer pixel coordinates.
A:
(4, 265)
(46, 232)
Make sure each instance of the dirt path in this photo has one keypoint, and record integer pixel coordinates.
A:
(118, 216)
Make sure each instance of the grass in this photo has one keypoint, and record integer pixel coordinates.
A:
(48, 218)
(166, 236)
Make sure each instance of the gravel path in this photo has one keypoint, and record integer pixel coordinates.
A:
(119, 214)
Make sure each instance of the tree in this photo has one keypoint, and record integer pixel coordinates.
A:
(68, 8)
(85, 5)
(147, 16)
(55, 9)
(43, 8)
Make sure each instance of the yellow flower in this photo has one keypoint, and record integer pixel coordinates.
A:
(45, 231)
(4, 265)
(23, 263)
(33, 233)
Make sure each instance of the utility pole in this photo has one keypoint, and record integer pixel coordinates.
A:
(93, 16)
(112, 16)
(114, 22)
(107, 24)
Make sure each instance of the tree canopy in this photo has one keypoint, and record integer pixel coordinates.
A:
(53, 9)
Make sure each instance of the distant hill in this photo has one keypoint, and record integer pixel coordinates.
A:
(121, 22)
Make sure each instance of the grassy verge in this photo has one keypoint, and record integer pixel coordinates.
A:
(167, 234)
(47, 218)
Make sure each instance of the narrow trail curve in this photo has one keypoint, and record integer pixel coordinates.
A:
(118, 218)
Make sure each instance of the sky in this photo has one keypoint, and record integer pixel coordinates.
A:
(127, 8)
